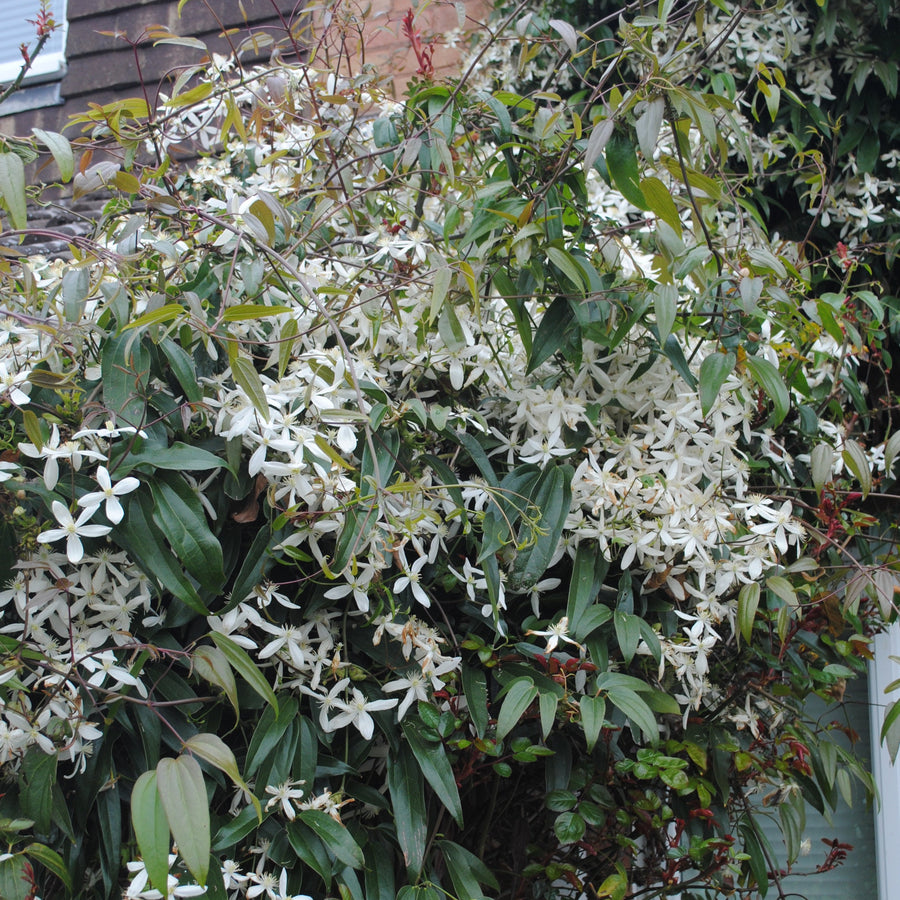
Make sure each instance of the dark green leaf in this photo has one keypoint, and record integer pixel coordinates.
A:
(520, 694)
(51, 860)
(310, 849)
(553, 497)
(146, 546)
(183, 369)
(593, 715)
(334, 836)
(551, 334)
(767, 376)
(467, 872)
(407, 789)
(181, 518)
(636, 710)
(713, 372)
(125, 367)
(245, 667)
(14, 882)
(38, 775)
(435, 766)
(379, 873)
(621, 160)
(569, 827)
(475, 689)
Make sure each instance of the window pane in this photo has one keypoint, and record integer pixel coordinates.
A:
(857, 875)
(17, 30)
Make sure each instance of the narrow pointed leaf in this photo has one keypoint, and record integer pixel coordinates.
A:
(245, 667)
(334, 836)
(518, 698)
(435, 766)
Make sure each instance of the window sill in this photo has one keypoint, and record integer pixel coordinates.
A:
(29, 97)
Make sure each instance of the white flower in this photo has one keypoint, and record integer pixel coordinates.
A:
(416, 686)
(356, 712)
(555, 634)
(110, 494)
(282, 795)
(72, 530)
(411, 578)
(6, 470)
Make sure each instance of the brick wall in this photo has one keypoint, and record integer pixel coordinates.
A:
(352, 39)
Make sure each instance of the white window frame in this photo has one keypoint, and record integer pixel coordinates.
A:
(40, 87)
(882, 671)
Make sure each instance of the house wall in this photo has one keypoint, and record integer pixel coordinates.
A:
(102, 66)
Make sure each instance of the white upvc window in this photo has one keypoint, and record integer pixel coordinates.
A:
(50, 63)
(882, 671)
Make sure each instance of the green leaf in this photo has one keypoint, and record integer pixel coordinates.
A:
(379, 873)
(660, 202)
(247, 378)
(178, 457)
(14, 881)
(359, 520)
(569, 827)
(855, 460)
(182, 791)
(747, 605)
(583, 584)
(12, 189)
(435, 766)
(475, 689)
(246, 312)
(183, 369)
(125, 367)
(407, 789)
(146, 546)
(181, 518)
(151, 829)
(551, 334)
(890, 729)
(548, 703)
(553, 497)
(212, 749)
(621, 160)
(334, 836)
(636, 710)
(520, 694)
(714, 370)
(61, 149)
(593, 715)
(672, 351)
(210, 663)
(38, 775)
(167, 313)
(757, 862)
(109, 815)
(245, 667)
(628, 633)
(236, 829)
(767, 376)
(565, 262)
(51, 860)
(310, 850)
(467, 871)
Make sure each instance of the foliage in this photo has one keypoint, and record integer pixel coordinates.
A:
(456, 497)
